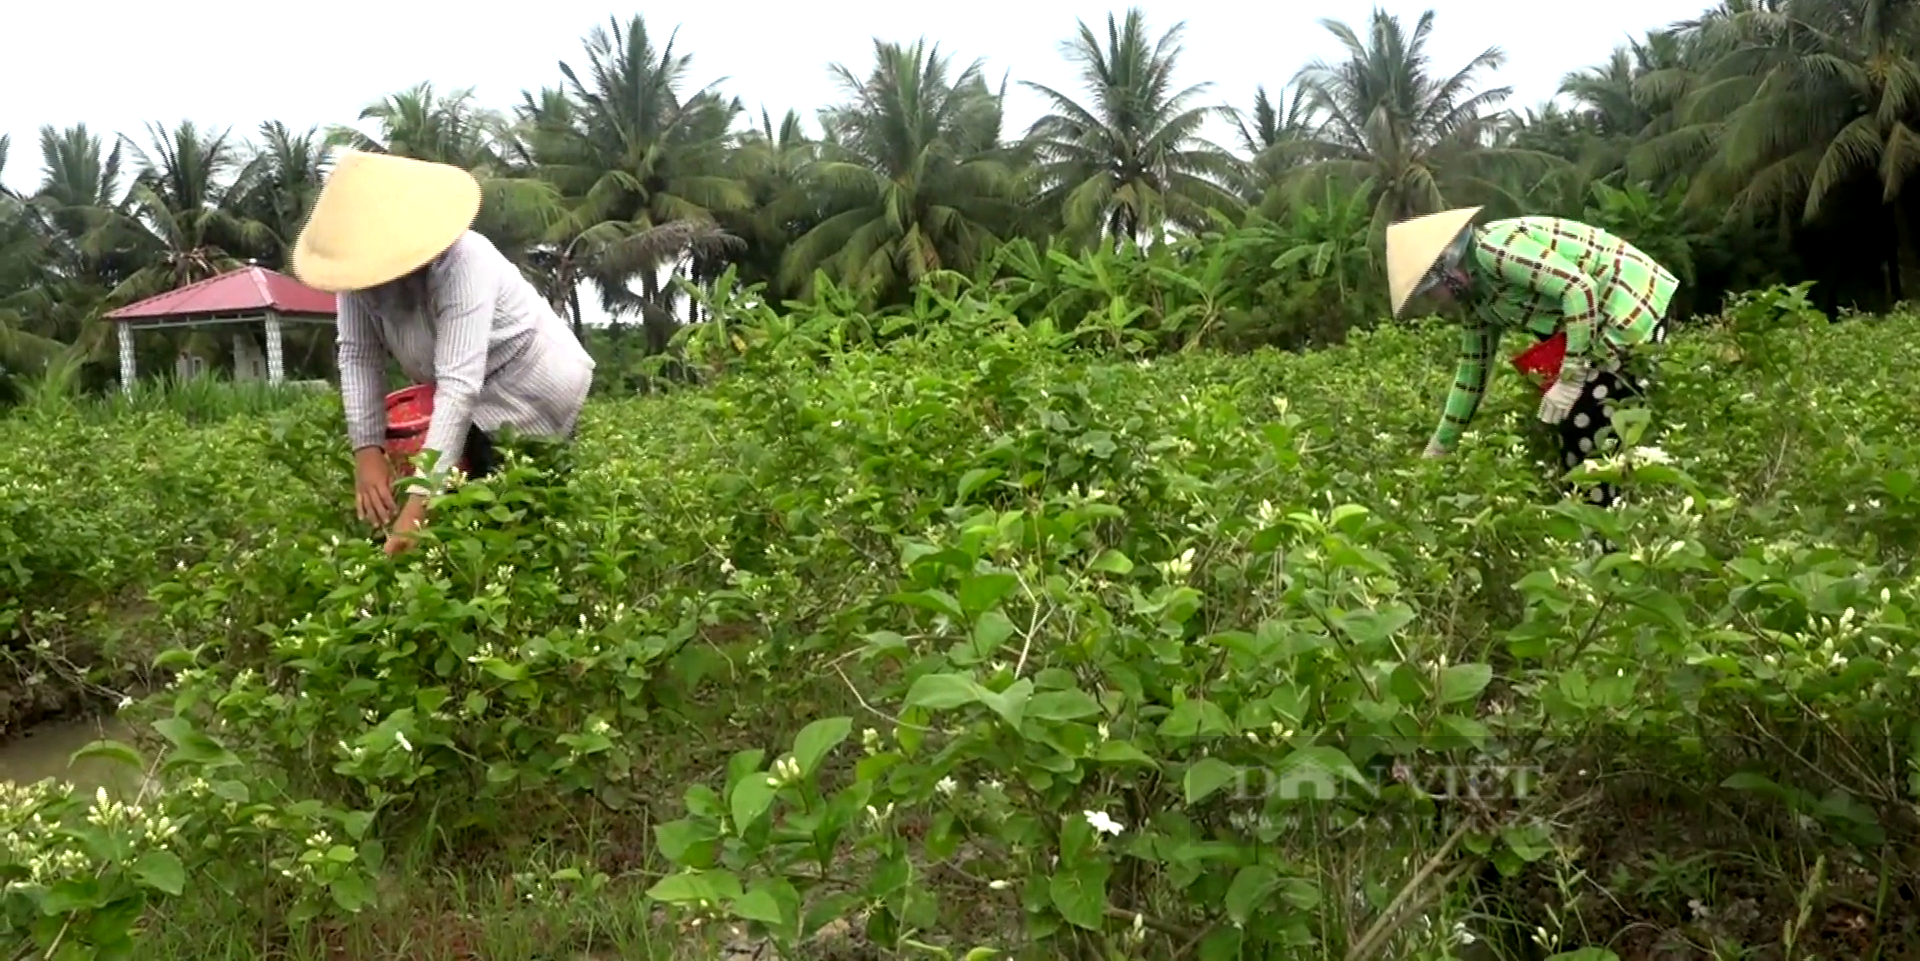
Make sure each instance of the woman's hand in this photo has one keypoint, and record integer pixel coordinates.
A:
(1557, 403)
(411, 517)
(1434, 450)
(373, 485)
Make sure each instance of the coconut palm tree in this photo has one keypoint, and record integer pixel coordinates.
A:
(24, 259)
(1835, 100)
(278, 184)
(772, 161)
(1424, 138)
(1697, 74)
(6, 144)
(635, 152)
(1130, 158)
(1272, 133)
(179, 219)
(911, 175)
(612, 249)
(80, 191)
(1632, 101)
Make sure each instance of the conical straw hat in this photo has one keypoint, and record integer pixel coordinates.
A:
(381, 217)
(1413, 246)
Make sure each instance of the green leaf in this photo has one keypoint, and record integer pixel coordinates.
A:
(750, 799)
(1463, 682)
(773, 902)
(1749, 781)
(161, 871)
(982, 591)
(355, 823)
(758, 905)
(817, 740)
(1195, 718)
(1467, 729)
(1066, 705)
(1376, 627)
(373, 854)
(1249, 891)
(939, 602)
(1666, 607)
(1123, 752)
(110, 933)
(351, 891)
(172, 659)
(1406, 685)
(192, 747)
(1111, 561)
(71, 895)
(975, 479)
(943, 692)
(1315, 772)
(430, 699)
(990, 631)
(883, 642)
(688, 887)
(742, 765)
(1207, 775)
(1347, 517)
(1301, 893)
(1574, 687)
(1077, 839)
(1010, 704)
(1079, 892)
(1585, 954)
(686, 842)
(1222, 944)
(109, 750)
(1530, 842)
(503, 670)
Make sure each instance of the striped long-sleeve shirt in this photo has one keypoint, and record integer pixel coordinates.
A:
(494, 350)
(1544, 274)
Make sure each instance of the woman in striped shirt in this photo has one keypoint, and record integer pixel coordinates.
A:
(1544, 276)
(391, 236)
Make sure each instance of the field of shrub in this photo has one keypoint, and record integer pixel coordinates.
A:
(985, 640)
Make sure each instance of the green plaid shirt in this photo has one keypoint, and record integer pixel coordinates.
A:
(1543, 274)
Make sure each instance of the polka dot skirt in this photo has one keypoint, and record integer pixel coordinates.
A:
(1589, 426)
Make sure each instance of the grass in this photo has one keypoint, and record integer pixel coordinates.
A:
(203, 399)
(433, 914)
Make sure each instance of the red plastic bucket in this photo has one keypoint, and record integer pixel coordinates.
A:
(409, 414)
(1544, 359)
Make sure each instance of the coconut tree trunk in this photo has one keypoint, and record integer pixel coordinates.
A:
(1905, 261)
(576, 315)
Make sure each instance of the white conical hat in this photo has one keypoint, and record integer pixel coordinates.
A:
(381, 217)
(1413, 246)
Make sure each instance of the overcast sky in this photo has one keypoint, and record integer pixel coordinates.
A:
(229, 63)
